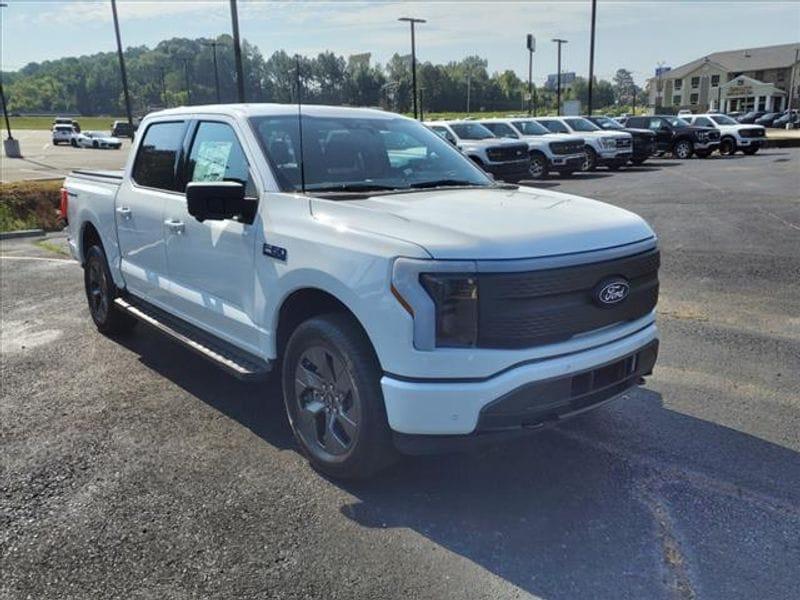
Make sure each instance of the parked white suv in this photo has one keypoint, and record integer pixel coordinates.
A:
(63, 134)
(549, 151)
(733, 135)
(610, 149)
(505, 159)
(407, 300)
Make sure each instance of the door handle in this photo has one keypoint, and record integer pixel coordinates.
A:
(175, 226)
(124, 212)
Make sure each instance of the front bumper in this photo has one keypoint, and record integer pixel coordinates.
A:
(744, 142)
(614, 157)
(514, 170)
(710, 146)
(568, 162)
(541, 388)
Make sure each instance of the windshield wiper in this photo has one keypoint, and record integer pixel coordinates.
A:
(362, 186)
(445, 183)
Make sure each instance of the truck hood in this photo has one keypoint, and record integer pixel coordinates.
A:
(488, 223)
(603, 134)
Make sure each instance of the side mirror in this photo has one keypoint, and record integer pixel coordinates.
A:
(215, 200)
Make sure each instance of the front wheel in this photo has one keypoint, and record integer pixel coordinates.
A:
(331, 388)
(683, 149)
(727, 147)
(589, 159)
(100, 293)
(538, 167)
(750, 150)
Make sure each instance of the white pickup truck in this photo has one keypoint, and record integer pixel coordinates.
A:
(612, 149)
(408, 302)
(733, 135)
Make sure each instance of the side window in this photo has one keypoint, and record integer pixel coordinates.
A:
(555, 126)
(655, 124)
(445, 133)
(703, 122)
(216, 155)
(158, 153)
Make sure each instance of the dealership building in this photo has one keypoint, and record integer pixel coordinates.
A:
(766, 78)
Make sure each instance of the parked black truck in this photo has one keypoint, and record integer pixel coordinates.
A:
(677, 137)
(644, 140)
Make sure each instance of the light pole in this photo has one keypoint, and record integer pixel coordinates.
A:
(161, 73)
(10, 145)
(469, 86)
(560, 42)
(213, 46)
(591, 54)
(237, 51)
(412, 21)
(122, 66)
(186, 60)
(531, 42)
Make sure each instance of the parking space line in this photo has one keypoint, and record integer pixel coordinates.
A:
(60, 260)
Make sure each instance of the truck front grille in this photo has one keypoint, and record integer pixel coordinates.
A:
(752, 133)
(562, 148)
(523, 309)
(507, 153)
(623, 142)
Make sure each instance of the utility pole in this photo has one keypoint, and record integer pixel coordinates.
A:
(237, 51)
(560, 42)
(591, 55)
(213, 46)
(122, 66)
(10, 145)
(412, 21)
(161, 74)
(531, 49)
(186, 62)
(469, 86)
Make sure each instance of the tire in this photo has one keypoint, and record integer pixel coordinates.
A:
(95, 145)
(750, 150)
(331, 389)
(590, 160)
(683, 149)
(100, 294)
(73, 143)
(539, 166)
(727, 146)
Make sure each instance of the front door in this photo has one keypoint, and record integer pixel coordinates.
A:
(210, 264)
(139, 210)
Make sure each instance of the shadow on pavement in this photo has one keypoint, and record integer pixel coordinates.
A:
(631, 501)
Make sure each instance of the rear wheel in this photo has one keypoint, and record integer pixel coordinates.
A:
(331, 388)
(590, 159)
(95, 145)
(683, 149)
(100, 293)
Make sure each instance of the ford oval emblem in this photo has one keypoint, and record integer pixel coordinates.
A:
(611, 292)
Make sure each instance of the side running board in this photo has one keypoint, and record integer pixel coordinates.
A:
(239, 363)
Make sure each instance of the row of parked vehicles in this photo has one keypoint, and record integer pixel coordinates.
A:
(517, 148)
(778, 120)
(68, 131)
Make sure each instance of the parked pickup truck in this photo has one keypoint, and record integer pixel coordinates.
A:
(610, 149)
(548, 151)
(407, 301)
(677, 137)
(733, 135)
(505, 159)
(644, 140)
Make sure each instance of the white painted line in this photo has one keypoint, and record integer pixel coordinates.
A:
(59, 260)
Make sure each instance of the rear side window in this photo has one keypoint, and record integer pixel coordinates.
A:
(156, 160)
(555, 126)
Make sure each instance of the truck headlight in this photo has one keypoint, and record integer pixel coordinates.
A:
(608, 143)
(456, 298)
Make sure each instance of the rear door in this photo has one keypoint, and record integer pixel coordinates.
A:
(211, 271)
(139, 209)
(663, 133)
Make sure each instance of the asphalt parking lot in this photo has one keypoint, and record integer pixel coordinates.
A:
(132, 469)
(42, 160)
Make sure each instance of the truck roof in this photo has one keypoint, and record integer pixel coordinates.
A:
(269, 109)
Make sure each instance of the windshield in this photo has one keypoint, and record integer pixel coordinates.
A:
(361, 154)
(471, 131)
(606, 123)
(677, 122)
(723, 120)
(501, 130)
(554, 126)
(531, 128)
(580, 124)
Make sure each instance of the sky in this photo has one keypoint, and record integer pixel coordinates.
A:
(634, 34)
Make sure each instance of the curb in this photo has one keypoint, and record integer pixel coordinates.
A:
(21, 233)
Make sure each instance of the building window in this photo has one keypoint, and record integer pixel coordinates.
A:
(780, 76)
(694, 98)
(676, 100)
(759, 75)
(714, 80)
(695, 82)
(678, 85)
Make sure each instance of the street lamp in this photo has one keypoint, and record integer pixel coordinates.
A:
(122, 66)
(531, 42)
(560, 42)
(237, 52)
(412, 21)
(591, 55)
